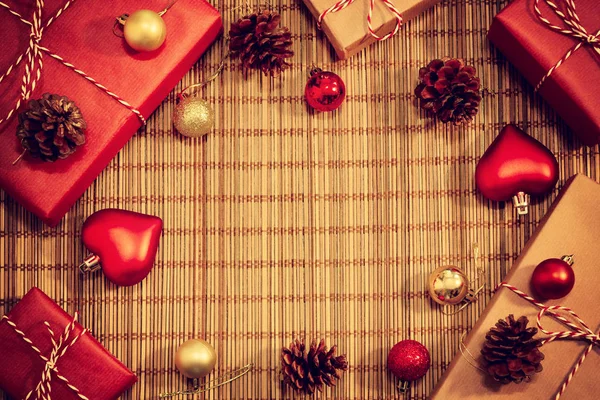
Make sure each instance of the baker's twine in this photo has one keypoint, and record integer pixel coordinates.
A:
(571, 28)
(340, 5)
(34, 59)
(579, 330)
(59, 348)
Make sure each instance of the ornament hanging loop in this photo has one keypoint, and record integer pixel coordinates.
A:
(90, 264)
(449, 286)
(521, 203)
(568, 259)
(403, 386)
(119, 24)
(183, 94)
(213, 384)
(314, 70)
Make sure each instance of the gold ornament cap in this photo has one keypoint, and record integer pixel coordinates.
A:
(193, 117)
(195, 358)
(144, 30)
(448, 285)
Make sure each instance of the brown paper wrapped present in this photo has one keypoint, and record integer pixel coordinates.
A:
(570, 227)
(348, 29)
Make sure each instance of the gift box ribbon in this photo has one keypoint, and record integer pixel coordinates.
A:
(340, 5)
(579, 330)
(571, 28)
(34, 60)
(59, 349)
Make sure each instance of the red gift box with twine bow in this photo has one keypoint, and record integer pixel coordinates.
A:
(77, 38)
(46, 354)
(555, 44)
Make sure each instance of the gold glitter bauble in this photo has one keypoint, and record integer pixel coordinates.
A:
(195, 358)
(448, 285)
(193, 117)
(145, 30)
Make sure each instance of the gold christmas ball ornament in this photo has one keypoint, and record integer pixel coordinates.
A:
(195, 358)
(193, 117)
(448, 285)
(144, 30)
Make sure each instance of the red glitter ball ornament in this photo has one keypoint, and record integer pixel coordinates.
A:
(325, 91)
(408, 360)
(553, 278)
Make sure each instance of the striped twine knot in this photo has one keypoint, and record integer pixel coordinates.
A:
(34, 59)
(579, 330)
(572, 27)
(341, 4)
(60, 346)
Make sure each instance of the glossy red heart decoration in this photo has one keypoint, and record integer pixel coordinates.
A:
(516, 166)
(123, 242)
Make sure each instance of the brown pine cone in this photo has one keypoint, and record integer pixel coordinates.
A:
(51, 127)
(449, 89)
(260, 44)
(307, 372)
(511, 352)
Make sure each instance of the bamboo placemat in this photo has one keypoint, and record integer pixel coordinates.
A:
(284, 223)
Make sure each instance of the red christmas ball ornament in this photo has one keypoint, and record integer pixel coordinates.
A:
(553, 278)
(516, 166)
(123, 243)
(408, 360)
(325, 91)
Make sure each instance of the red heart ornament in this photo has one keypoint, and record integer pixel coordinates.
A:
(516, 166)
(123, 242)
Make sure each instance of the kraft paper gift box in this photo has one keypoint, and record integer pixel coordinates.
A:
(570, 227)
(347, 29)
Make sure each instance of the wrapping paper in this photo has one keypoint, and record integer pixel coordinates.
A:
(83, 36)
(347, 30)
(87, 365)
(574, 212)
(533, 49)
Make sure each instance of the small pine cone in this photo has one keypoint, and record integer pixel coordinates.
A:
(511, 352)
(307, 372)
(449, 89)
(51, 127)
(260, 44)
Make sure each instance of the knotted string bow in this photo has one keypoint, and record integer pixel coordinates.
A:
(571, 28)
(341, 4)
(34, 59)
(59, 348)
(579, 330)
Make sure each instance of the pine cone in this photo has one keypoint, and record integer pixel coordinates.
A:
(51, 127)
(511, 352)
(307, 372)
(260, 44)
(449, 89)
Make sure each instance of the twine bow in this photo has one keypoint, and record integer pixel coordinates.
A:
(579, 330)
(59, 348)
(34, 59)
(341, 4)
(572, 27)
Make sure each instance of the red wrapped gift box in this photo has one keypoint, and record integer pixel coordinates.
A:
(83, 36)
(87, 366)
(534, 48)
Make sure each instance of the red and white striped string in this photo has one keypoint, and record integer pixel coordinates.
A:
(580, 330)
(59, 347)
(34, 60)
(341, 4)
(572, 28)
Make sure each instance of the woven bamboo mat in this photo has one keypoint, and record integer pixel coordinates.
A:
(288, 224)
